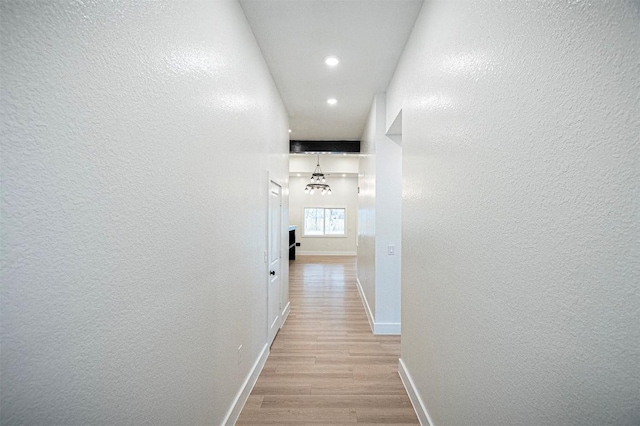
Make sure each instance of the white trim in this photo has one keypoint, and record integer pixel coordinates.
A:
(285, 313)
(414, 396)
(325, 253)
(392, 328)
(378, 328)
(367, 309)
(325, 236)
(243, 394)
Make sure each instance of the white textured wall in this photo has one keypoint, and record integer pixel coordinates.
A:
(344, 193)
(380, 221)
(521, 202)
(329, 163)
(136, 137)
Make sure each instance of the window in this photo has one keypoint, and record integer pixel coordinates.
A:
(319, 221)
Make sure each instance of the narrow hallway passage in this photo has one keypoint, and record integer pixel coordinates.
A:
(326, 366)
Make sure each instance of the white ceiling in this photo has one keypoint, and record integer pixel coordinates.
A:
(296, 35)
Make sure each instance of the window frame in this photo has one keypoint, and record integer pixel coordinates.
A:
(324, 235)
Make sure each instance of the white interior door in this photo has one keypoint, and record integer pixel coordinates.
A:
(275, 249)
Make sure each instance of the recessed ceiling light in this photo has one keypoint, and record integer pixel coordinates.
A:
(332, 101)
(289, 130)
(332, 61)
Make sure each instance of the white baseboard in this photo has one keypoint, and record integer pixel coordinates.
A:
(379, 328)
(241, 399)
(285, 313)
(365, 303)
(325, 253)
(414, 396)
(386, 328)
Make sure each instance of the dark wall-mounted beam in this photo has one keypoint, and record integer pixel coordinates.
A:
(324, 146)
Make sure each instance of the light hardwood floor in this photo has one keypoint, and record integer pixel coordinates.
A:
(326, 366)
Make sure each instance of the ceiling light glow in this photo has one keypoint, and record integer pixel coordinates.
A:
(332, 101)
(332, 61)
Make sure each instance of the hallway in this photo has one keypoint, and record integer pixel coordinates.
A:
(496, 186)
(325, 365)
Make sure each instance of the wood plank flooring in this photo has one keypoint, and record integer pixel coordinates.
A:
(326, 366)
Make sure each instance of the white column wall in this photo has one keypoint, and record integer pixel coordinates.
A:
(136, 139)
(388, 232)
(367, 211)
(521, 238)
(380, 218)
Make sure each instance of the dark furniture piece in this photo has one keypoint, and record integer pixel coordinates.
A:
(292, 243)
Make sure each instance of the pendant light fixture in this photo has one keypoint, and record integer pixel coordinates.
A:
(318, 181)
